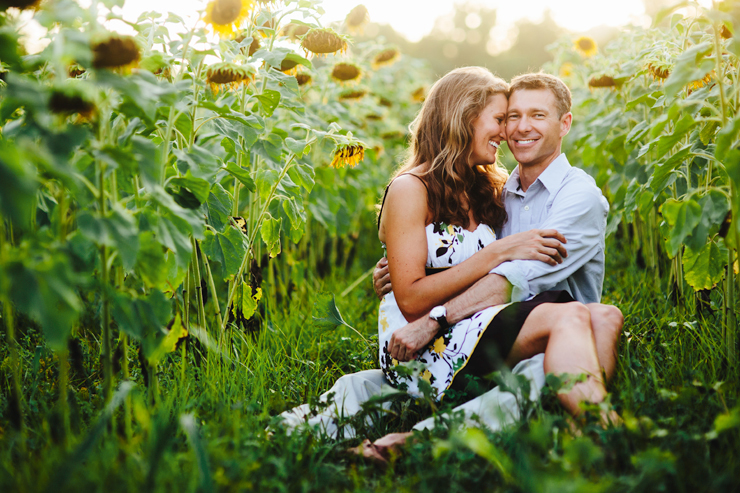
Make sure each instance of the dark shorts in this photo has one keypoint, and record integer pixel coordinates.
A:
(496, 342)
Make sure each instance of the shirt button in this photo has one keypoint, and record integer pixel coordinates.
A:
(526, 207)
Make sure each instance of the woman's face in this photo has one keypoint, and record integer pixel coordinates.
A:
(489, 131)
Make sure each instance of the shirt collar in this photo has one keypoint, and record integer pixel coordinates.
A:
(555, 173)
(551, 178)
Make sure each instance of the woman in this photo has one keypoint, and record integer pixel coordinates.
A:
(439, 213)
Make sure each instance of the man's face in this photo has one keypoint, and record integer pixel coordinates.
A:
(534, 131)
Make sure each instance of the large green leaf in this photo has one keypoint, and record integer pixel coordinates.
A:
(682, 217)
(242, 175)
(151, 263)
(270, 232)
(218, 207)
(199, 187)
(704, 268)
(691, 65)
(167, 343)
(269, 100)
(227, 248)
(117, 229)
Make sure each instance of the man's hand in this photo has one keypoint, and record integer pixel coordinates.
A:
(382, 278)
(407, 341)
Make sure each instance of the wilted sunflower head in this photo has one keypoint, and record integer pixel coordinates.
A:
(602, 81)
(19, 4)
(357, 18)
(294, 31)
(268, 25)
(115, 52)
(699, 83)
(659, 70)
(69, 100)
(228, 75)
(383, 101)
(374, 117)
(75, 70)
(303, 78)
(348, 154)
(352, 94)
(346, 72)
(386, 57)
(391, 135)
(586, 46)
(322, 41)
(724, 32)
(225, 16)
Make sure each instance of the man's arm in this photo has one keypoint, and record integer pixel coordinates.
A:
(579, 213)
(489, 291)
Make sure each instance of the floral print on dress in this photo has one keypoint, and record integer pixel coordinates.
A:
(449, 352)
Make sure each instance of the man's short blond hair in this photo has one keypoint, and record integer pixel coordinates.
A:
(541, 80)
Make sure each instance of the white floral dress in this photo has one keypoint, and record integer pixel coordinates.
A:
(447, 354)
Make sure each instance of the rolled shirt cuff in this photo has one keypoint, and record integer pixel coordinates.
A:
(519, 283)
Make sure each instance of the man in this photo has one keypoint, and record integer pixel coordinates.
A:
(544, 192)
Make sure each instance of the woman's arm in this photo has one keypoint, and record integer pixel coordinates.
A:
(402, 228)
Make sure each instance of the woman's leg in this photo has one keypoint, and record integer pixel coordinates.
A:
(563, 332)
(606, 322)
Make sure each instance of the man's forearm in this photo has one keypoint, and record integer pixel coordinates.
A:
(489, 291)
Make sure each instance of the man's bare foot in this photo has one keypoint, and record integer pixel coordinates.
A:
(382, 449)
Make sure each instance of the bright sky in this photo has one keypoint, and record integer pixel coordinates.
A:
(415, 18)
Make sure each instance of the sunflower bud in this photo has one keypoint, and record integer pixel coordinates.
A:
(658, 71)
(323, 41)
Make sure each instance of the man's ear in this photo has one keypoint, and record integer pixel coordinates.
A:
(565, 122)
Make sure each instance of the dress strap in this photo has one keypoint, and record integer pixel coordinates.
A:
(389, 186)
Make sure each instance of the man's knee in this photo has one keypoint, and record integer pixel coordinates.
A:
(607, 319)
(571, 318)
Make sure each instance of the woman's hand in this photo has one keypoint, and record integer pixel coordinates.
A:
(546, 245)
(407, 341)
(381, 278)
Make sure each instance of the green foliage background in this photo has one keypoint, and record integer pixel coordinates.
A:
(167, 251)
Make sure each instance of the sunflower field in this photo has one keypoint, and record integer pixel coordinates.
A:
(187, 235)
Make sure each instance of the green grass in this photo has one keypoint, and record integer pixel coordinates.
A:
(673, 387)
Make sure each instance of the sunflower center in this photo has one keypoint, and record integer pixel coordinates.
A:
(585, 44)
(226, 11)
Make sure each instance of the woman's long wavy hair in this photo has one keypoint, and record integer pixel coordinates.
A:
(442, 136)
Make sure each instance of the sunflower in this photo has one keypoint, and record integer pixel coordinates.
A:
(566, 69)
(391, 135)
(228, 74)
(725, 33)
(383, 101)
(386, 57)
(288, 66)
(699, 83)
(356, 18)
(352, 94)
(602, 81)
(586, 46)
(419, 95)
(225, 16)
(374, 117)
(303, 78)
(294, 31)
(323, 41)
(19, 4)
(75, 70)
(658, 70)
(348, 154)
(115, 52)
(269, 24)
(253, 47)
(346, 72)
(68, 101)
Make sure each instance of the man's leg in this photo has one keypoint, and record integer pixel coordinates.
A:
(345, 399)
(606, 322)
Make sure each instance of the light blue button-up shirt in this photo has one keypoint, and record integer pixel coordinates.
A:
(566, 199)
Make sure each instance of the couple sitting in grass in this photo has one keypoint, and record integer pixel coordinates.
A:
(486, 271)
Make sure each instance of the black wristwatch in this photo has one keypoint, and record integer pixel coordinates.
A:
(439, 315)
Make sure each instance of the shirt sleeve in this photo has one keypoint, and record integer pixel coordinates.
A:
(580, 215)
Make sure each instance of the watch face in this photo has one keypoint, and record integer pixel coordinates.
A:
(438, 311)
